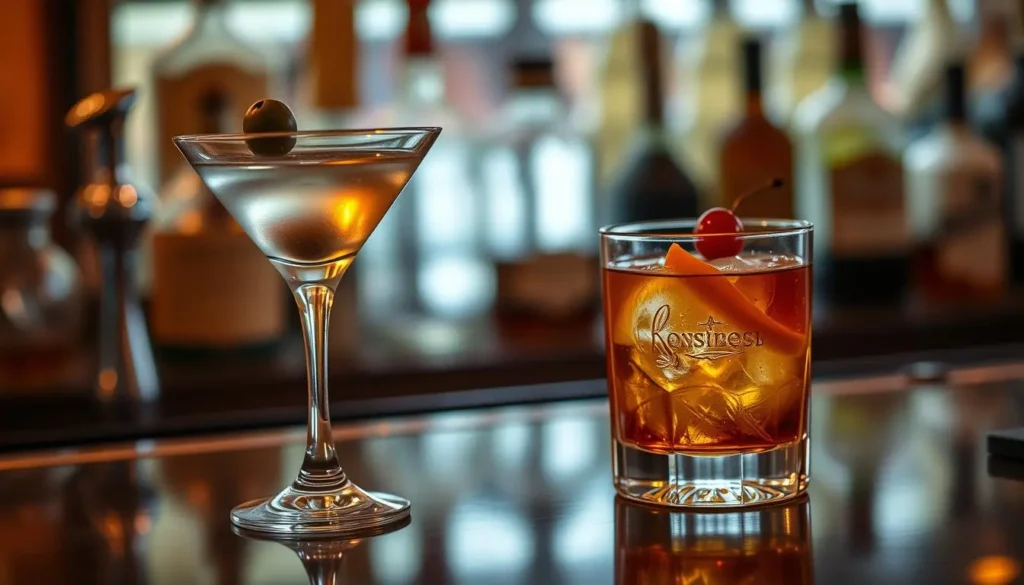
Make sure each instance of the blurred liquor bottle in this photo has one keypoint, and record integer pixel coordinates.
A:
(433, 227)
(710, 94)
(754, 151)
(954, 205)
(539, 203)
(652, 185)
(802, 59)
(212, 287)
(850, 181)
(208, 59)
(330, 84)
(1001, 119)
(990, 67)
(620, 90)
(914, 88)
(41, 297)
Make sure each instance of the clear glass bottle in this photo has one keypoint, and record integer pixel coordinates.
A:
(850, 181)
(539, 215)
(954, 205)
(209, 58)
(802, 60)
(40, 295)
(240, 303)
(915, 78)
(620, 90)
(430, 239)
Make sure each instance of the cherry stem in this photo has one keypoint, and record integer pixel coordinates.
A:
(773, 184)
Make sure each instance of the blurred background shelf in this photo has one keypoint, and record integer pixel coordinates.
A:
(483, 363)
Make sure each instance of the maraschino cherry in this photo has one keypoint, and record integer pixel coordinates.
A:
(719, 223)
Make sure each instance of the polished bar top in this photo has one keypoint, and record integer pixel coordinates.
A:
(901, 492)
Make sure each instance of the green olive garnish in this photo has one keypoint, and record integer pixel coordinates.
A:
(269, 116)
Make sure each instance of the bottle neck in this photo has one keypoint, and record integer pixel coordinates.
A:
(210, 16)
(937, 8)
(755, 105)
(650, 64)
(419, 39)
(956, 99)
(752, 77)
(851, 52)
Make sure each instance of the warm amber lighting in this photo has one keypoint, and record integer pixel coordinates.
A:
(143, 523)
(16, 198)
(112, 529)
(199, 495)
(346, 213)
(108, 381)
(95, 197)
(993, 570)
(128, 196)
(89, 106)
(190, 222)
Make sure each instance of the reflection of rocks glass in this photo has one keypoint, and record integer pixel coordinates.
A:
(770, 545)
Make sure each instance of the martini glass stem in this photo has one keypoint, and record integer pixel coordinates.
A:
(320, 468)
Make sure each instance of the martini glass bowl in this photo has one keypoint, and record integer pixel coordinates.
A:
(310, 211)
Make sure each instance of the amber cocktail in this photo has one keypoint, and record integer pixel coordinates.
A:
(708, 362)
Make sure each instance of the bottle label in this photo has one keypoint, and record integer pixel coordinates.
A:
(548, 285)
(214, 289)
(179, 107)
(971, 244)
(868, 208)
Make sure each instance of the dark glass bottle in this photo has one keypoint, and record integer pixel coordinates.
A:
(850, 182)
(652, 185)
(1000, 118)
(754, 151)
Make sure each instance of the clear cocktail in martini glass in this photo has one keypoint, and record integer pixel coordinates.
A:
(310, 211)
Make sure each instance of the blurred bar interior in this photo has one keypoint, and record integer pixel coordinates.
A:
(896, 128)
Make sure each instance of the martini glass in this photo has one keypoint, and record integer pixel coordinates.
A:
(310, 211)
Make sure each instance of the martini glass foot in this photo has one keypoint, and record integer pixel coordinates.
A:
(347, 511)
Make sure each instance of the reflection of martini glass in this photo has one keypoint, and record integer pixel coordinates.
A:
(309, 212)
(323, 559)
